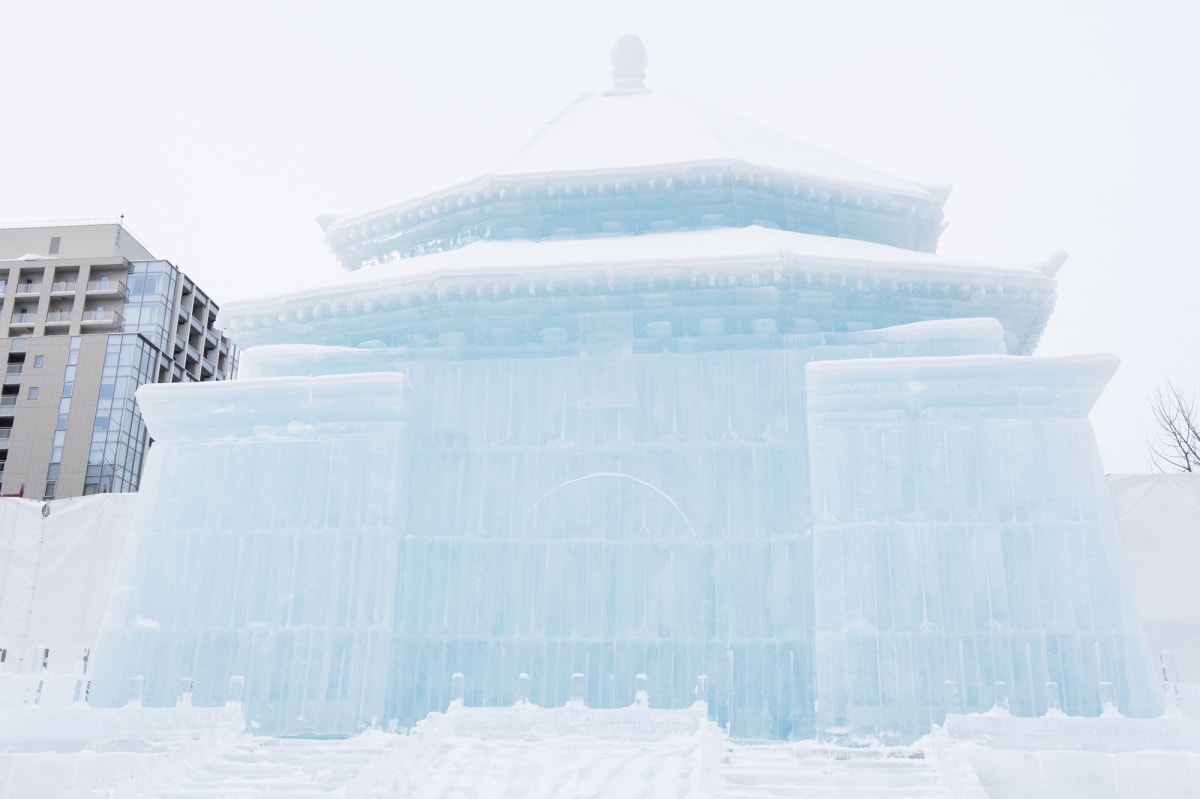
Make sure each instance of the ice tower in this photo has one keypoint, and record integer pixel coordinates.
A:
(668, 402)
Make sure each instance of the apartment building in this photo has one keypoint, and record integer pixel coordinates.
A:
(89, 315)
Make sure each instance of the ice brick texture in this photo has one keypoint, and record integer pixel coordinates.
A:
(376, 546)
(965, 551)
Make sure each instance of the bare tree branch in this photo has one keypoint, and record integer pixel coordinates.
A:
(1176, 448)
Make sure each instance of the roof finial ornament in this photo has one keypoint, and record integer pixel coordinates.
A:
(629, 64)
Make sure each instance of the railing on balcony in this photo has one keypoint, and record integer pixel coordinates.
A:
(58, 318)
(28, 288)
(23, 319)
(101, 317)
(64, 286)
(5, 433)
(106, 287)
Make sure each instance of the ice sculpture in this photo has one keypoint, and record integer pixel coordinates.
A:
(590, 426)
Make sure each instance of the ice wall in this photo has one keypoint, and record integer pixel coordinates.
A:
(965, 551)
(264, 545)
(838, 532)
(606, 513)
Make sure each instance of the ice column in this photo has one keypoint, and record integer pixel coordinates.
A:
(264, 545)
(964, 538)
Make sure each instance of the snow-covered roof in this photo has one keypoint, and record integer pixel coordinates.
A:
(751, 244)
(619, 130)
(660, 253)
(30, 256)
(718, 257)
(636, 159)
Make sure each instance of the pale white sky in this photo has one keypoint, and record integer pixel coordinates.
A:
(221, 129)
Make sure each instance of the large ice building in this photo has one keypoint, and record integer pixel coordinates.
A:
(671, 403)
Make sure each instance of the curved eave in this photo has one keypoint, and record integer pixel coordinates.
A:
(362, 240)
(798, 265)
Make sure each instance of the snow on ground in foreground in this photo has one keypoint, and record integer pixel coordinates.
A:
(537, 753)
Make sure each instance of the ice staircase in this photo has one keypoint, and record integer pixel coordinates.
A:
(292, 768)
(808, 771)
(529, 752)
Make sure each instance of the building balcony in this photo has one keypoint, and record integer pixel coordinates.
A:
(101, 319)
(22, 320)
(12, 376)
(5, 435)
(58, 318)
(29, 289)
(8, 405)
(61, 287)
(105, 288)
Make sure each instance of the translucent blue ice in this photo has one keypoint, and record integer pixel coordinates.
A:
(842, 540)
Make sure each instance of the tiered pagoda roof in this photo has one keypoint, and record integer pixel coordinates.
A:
(634, 160)
(642, 201)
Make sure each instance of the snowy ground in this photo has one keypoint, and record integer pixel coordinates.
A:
(531, 752)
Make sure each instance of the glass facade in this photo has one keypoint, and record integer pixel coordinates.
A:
(149, 292)
(118, 433)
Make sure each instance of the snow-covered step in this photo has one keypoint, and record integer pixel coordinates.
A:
(775, 771)
(283, 768)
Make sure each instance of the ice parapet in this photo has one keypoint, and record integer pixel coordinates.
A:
(670, 512)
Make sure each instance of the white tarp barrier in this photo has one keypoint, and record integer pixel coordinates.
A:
(1159, 518)
(56, 575)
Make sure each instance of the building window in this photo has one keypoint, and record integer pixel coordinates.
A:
(50, 486)
(55, 241)
(67, 388)
(33, 392)
(37, 361)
